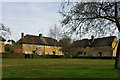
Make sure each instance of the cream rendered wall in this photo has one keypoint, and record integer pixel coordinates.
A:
(2, 46)
(44, 49)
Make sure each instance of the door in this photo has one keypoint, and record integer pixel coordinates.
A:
(100, 53)
(53, 52)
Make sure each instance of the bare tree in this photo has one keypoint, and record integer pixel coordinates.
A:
(98, 18)
(4, 31)
(65, 42)
(11, 41)
(55, 32)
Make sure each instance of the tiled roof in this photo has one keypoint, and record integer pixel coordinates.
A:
(31, 39)
(106, 41)
(2, 39)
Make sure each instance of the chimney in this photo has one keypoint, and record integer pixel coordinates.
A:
(40, 35)
(22, 35)
(92, 37)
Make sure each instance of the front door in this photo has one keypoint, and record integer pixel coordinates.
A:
(100, 53)
(53, 52)
(33, 52)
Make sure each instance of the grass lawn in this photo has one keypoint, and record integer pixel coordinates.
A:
(58, 68)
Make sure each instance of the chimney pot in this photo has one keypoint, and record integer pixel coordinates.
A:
(40, 35)
(22, 35)
(92, 37)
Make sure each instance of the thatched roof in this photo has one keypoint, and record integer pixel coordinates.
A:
(106, 41)
(31, 39)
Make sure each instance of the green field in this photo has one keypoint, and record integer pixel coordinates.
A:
(58, 68)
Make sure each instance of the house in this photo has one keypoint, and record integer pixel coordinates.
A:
(100, 47)
(38, 44)
(2, 44)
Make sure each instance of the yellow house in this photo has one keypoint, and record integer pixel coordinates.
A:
(40, 45)
(2, 44)
(99, 47)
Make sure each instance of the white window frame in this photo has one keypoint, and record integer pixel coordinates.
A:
(39, 53)
(33, 45)
(94, 54)
(39, 45)
(48, 46)
(27, 45)
(58, 53)
(27, 52)
(113, 53)
(106, 53)
(48, 53)
(58, 47)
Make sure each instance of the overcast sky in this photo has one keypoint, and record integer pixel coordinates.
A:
(30, 17)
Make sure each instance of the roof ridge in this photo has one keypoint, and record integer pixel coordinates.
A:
(96, 38)
(28, 39)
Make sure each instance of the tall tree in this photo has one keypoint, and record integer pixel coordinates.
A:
(54, 32)
(65, 42)
(4, 31)
(98, 18)
(11, 41)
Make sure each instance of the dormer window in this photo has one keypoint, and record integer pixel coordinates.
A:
(48, 46)
(27, 45)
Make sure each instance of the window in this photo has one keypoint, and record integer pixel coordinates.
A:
(94, 54)
(48, 46)
(27, 52)
(85, 53)
(79, 53)
(106, 47)
(39, 52)
(100, 53)
(113, 53)
(39, 46)
(27, 45)
(33, 45)
(84, 47)
(48, 53)
(106, 54)
(94, 48)
(58, 53)
(0, 51)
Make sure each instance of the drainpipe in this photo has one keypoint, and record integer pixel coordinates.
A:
(44, 49)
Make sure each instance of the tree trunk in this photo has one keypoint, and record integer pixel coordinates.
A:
(117, 60)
